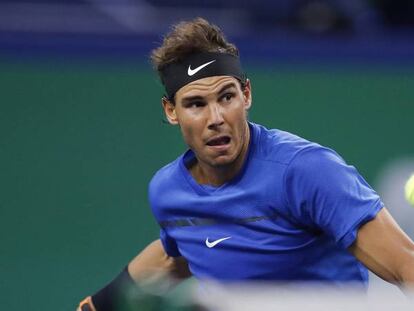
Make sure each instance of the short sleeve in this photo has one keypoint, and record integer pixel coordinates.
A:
(169, 244)
(324, 193)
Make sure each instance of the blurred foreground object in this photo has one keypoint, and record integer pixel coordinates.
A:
(310, 296)
(298, 297)
(155, 296)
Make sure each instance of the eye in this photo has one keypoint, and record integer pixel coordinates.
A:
(227, 97)
(195, 104)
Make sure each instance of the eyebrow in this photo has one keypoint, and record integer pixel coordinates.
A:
(197, 97)
(226, 87)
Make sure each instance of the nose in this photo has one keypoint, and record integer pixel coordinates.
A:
(215, 116)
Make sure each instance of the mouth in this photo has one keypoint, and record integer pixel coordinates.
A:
(218, 141)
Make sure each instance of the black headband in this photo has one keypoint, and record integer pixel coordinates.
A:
(197, 66)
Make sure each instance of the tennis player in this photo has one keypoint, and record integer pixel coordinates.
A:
(248, 203)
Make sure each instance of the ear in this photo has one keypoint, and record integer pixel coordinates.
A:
(169, 110)
(247, 94)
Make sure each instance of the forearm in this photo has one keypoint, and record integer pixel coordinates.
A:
(152, 267)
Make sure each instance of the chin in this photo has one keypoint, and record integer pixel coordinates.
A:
(223, 160)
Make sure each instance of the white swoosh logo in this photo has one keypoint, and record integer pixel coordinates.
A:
(192, 72)
(214, 243)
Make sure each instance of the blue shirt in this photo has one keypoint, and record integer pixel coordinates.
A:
(289, 215)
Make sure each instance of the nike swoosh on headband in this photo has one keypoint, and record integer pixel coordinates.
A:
(192, 72)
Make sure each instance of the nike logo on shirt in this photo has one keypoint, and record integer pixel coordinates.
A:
(192, 72)
(214, 243)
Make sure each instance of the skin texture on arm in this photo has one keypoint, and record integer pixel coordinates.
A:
(153, 263)
(386, 250)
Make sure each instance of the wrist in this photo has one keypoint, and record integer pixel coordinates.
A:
(114, 294)
(86, 304)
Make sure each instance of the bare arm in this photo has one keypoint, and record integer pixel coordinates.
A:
(153, 262)
(152, 265)
(386, 250)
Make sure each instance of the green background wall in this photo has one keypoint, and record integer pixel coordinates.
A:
(79, 143)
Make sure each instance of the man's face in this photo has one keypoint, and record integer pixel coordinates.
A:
(212, 115)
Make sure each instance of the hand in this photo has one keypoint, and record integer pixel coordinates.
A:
(86, 305)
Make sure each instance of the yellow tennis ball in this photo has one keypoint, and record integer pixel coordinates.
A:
(409, 190)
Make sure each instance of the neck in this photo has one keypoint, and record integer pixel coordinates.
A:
(218, 175)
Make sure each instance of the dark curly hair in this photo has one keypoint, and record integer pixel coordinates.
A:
(189, 37)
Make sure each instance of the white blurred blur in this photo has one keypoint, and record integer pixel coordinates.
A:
(309, 297)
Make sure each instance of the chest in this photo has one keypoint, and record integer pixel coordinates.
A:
(242, 232)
